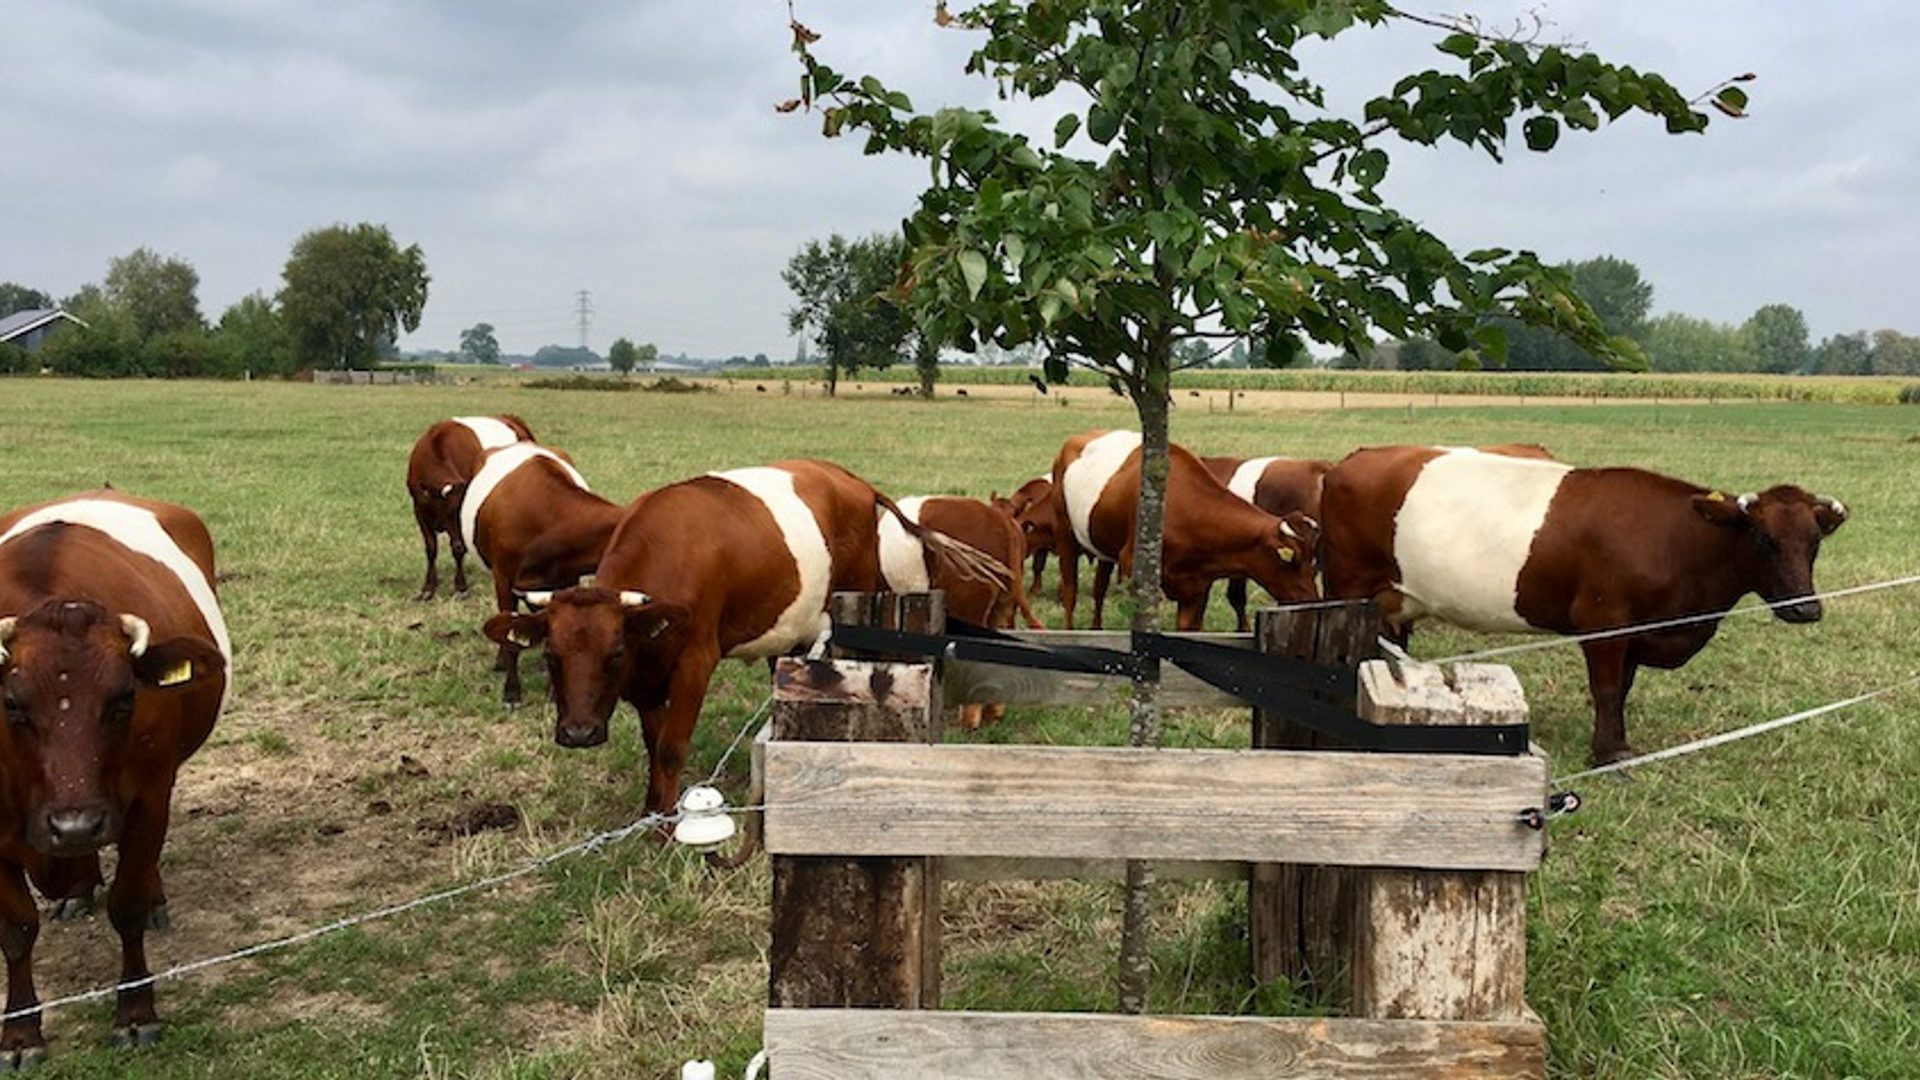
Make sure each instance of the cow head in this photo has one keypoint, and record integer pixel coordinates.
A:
(75, 679)
(601, 645)
(1780, 530)
(1288, 569)
(438, 503)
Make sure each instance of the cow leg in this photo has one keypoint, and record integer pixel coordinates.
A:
(134, 902)
(668, 727)
(431, 542)
(508, 661)
(1190, 614)
(1102, 579)
(1237, 599)
(1039, 567)
(1069, 586)
(457, 547)
(1609, 677)
(21, 1043)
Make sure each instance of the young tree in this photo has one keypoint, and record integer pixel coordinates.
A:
(1777, 336)
(845, 301)
(156, 295)
(252, 339)
(478, 345)
(1217, 197)
(621, 355)
(15, 297)
(348, 292)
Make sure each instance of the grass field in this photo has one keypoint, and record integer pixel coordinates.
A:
(1753, 911)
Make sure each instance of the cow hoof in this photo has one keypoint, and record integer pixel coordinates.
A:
(1613, 756)
(71, 909)
(23, 1059)
(159, 918)
(135, 1036)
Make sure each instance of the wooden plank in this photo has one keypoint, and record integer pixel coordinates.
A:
(832, 906)
(1015, 869)
(859, 1044)
(968, 681)
(1441, 946)
(1300, 917)
(1334, 807)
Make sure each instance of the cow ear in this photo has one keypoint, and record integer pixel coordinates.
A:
(515, 630)
(657, 622)
(178, 662)
(1829, 514)
(1719, 508)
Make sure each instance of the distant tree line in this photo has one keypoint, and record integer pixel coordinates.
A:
(847, 313)
(347, 294)
(1773, 340)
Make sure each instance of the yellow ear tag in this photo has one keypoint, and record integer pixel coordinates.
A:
(1717, 496)
(1286, 554)
(179, 673)
(520, 638)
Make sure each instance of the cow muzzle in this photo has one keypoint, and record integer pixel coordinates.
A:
(75, 830)
(579, 736)
(1799, 611)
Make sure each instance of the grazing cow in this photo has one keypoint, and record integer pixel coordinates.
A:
(1031, 505)
(536, 525)
(732, 564)
(1278, 485)
(907, 567)
(1208, 532)
(438, 471)
(114, 659)
(1490, 541)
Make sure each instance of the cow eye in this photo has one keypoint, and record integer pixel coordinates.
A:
(120, 708)
(1766, 543)
(16, 712)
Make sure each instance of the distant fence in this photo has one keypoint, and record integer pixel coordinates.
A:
(866, 812)
(369, 378)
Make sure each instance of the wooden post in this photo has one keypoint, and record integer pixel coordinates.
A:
(1441, 945)
(1300, 918)
(858, 932)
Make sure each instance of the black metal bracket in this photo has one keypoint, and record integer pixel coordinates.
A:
(1304, 693)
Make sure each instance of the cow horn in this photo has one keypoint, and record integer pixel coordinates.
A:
(1834, 505)
(633, 598)
(7, 626)
(446, 490)
(1745, 502)
(137, 629)
(1286, 527)
(538, 599)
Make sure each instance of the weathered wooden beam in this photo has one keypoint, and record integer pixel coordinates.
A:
(854, 1044)
(851, 930)
(1300, 916)
(1339, 808)
(1442, 946)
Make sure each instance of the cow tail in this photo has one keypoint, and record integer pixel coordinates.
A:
(969, 561)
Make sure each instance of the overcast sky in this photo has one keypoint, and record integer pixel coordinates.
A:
(630, 150)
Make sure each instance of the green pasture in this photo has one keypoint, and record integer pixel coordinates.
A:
(1748, 912)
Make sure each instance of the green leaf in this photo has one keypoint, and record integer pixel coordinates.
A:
(973, 267)
(1102, 124)
(1460, 45)
(1065, 129)
(1732, 101)
(1542, 133)
(1368, 167)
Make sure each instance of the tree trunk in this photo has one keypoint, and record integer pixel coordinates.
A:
(926, 363)
(1150, 390)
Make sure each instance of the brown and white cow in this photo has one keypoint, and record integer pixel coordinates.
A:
(907, 567)
(1208, 533)
(731, 564)
(1031, 505)
(536, 526)
(1278, 485)
(441, 465)
(1491, 541)
(113, 661)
